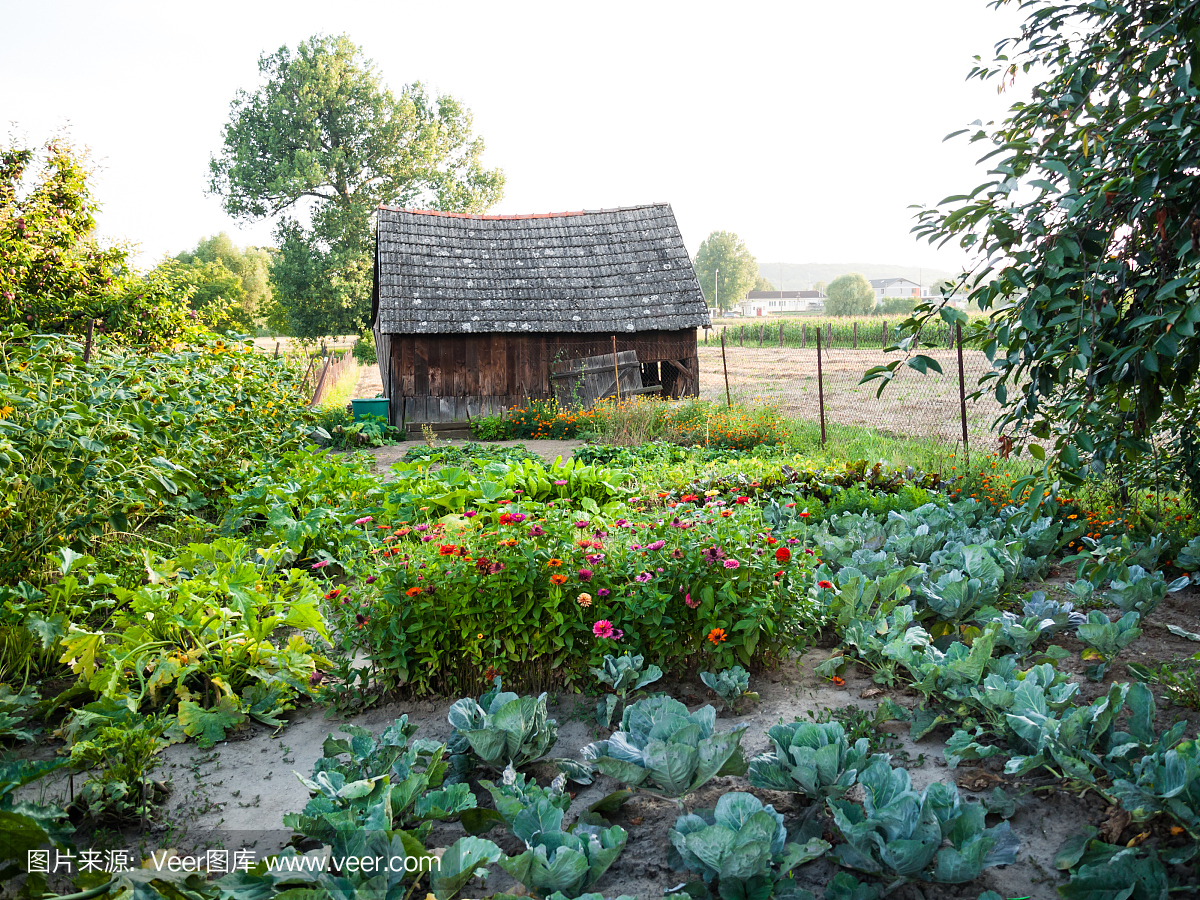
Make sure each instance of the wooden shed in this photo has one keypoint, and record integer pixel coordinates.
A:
(471, 313)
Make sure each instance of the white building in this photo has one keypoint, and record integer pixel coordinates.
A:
(773, 303)
(895, 287)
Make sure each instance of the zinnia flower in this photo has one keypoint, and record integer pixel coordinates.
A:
(470, 514)
(364, 520)
(603, 629)
(447, 549)
(558, 579)
(783, 554)
(584, 574)
(506, 518)
(517, 518)
(690, 602)
(603, 592)
(413, 591)
(657, 545)
(370, 579)
(585, 600)
(537, 531)
(742, 500)
(825, 584)
(731, 563)
(419, 528)
(554, 563)
(559, 482)
(617, 634)
(643, 578)
(332, 594)
(582, 523)
(805, 514)
(320, 565)
(716, 636)
(689, 498)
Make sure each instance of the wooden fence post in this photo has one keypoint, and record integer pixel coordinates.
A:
(883, 335)
(728, 400)
(820, 386)
(742, 336)
(855, 344)
(276, 356)
(321, 382)
(762, 330)
(962, 395)
(803, 334)
(87, 345)
(780, 335)
(616, 371)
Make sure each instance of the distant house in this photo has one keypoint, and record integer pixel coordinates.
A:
(895, 287)
(772, 303)
(470, 312)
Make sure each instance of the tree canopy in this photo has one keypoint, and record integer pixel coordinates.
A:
(1086, 236)
(56, 277)
(323, 136)
(211, 264)
(724, 256)
(849, 295)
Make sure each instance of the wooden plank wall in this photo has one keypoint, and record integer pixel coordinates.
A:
(456, 377)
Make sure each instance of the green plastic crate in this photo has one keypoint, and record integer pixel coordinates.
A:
(371, 406)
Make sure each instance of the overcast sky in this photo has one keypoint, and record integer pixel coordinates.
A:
(806, 127)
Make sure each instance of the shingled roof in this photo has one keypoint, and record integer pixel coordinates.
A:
(610, 270)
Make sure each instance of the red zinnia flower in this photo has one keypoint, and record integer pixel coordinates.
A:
(413, 591)
(447, 549)
(558, 579)
(783, 554)
(716, 636)
(825, 584)
(742, 500)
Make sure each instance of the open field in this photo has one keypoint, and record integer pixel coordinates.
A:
(913, 404)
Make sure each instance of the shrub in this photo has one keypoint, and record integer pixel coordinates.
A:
(492, 428)
(540, 592)
(544, 420)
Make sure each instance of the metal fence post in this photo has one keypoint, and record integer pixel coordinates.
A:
(728, 401)
(962, 394)
(820, 386)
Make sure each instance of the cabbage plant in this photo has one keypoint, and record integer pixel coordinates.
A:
(1105, 639)
(931, 835)
(663, 749)
(501, 729)
(810, 758)
(731, 685)
(558, 860)
(741, 845)
(623, 674)
(1133, 589)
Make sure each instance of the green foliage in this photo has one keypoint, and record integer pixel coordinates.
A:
(197, 641)
(493, 428)
(899, 832)
(57, 278)
(89, 449)
(1083, 236)
(849, 295)
(561, 861)
(501, 729)
(251, 266)
(1135, 589)
(121, 759)
(731, 685)
(15, 709)
(741, 845)
(1106, 638)
(623, 674)
(812, 759)
(723, 256)
(663, 749)
(27, 826)
(323, 126)
(364, 783)
(364, 349)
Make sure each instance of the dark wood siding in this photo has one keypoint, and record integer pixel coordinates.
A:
(454, 377)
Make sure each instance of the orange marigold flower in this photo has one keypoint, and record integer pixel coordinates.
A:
(840, 682)
(716, 636)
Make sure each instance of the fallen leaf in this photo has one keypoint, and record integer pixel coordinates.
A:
(1137, 839)
(636, 820)
(978, 780)
(871, 692)
(1117, 821)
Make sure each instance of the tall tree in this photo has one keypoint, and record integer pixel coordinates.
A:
(849, 295)
(251, 265)
(723, 256)
(324, 136)
(1086, 237)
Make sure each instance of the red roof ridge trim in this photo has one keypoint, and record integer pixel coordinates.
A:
(551, 215)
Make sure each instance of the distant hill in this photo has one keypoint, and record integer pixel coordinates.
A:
(800, 276)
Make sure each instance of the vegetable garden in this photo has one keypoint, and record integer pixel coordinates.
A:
(584, 678)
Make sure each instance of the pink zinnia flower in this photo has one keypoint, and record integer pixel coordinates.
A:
(585, 574)
(320, 565)
(582, 523)
(731, 563)
(603, 629)
(690, 602)
(364, 520)
(470, 513)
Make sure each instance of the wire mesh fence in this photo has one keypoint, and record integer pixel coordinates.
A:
(810, 384)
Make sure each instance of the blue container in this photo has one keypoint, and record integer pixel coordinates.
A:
(372, 406)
